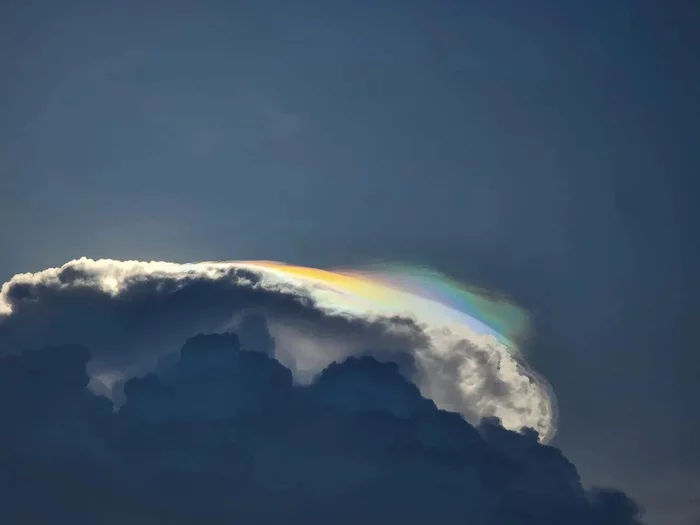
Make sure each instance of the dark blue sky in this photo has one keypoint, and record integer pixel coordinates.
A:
(546, 149)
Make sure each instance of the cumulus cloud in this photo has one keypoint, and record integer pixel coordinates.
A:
(131, 313)
(219, 434)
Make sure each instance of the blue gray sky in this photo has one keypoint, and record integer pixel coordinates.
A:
(545, 149)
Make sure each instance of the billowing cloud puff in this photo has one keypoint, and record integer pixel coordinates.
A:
(218, 434)
(131, 314)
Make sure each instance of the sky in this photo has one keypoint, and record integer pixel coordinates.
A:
(547, 150)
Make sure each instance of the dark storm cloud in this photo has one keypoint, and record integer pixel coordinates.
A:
(221, 435)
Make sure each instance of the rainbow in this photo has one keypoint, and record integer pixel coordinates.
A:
(400, 289)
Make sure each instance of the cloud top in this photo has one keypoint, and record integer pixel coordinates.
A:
(132, 313)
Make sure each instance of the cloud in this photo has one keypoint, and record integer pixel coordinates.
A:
(130, 314)
(219, 434)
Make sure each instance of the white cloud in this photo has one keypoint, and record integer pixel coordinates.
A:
(129, 313)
